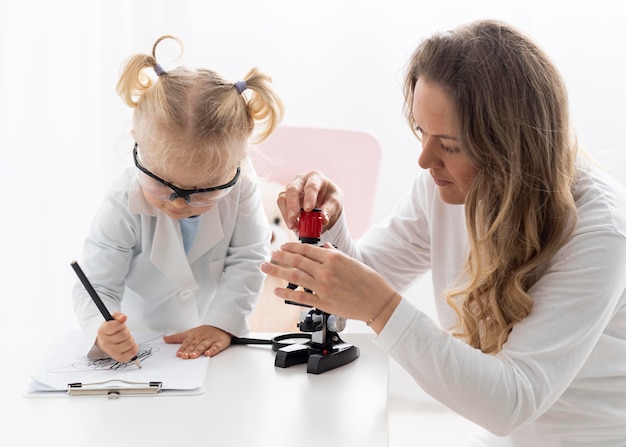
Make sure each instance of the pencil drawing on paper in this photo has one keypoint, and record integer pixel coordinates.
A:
(86, 364)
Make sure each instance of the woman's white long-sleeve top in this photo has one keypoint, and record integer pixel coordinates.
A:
(560, 379)
(135, 258)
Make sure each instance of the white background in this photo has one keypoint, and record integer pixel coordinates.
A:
(337, 64)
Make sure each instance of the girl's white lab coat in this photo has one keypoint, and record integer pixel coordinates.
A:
(134, 257)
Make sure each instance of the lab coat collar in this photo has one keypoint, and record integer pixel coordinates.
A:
(210, 233)
(167, 251)
(137, 203)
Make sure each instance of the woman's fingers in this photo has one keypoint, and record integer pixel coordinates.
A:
(308, 191)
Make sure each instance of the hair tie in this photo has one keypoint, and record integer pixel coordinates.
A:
(240, 86)
(158, 70)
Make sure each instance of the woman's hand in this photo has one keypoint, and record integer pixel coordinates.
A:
(202, 340)
(115, 339)
(342, 286)
(308, 191)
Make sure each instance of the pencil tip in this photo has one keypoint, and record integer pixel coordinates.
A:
(138, 364)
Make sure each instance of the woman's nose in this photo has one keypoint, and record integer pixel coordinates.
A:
(428, 158)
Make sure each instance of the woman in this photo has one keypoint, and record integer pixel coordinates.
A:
(524, 237)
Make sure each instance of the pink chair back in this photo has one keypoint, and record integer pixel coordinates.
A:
(351, 159)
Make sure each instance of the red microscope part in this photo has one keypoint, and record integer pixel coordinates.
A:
(310, 226)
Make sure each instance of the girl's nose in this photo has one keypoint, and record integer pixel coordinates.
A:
(179, 202)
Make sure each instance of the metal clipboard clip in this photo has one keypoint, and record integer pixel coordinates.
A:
(111, 390)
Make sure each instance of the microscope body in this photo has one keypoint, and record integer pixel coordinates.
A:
(325, 350)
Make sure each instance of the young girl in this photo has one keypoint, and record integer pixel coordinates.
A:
(178, 241)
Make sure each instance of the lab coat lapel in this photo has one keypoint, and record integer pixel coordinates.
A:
(209, 234)
(167, 252)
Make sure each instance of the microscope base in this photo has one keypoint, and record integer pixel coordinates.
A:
(317, 361)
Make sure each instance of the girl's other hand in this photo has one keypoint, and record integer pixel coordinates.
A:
(202, 340)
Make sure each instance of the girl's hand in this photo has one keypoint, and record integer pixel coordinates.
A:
(115, 339)
(202, 340)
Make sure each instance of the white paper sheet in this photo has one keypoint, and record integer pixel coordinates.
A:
(66, 362)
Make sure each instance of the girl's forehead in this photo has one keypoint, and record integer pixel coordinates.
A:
(201, 164)
(191, 176)
(184, 171)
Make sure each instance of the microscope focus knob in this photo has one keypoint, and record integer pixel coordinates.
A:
(335, 323)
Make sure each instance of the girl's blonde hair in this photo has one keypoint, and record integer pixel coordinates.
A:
(194, 116)
(512, 107)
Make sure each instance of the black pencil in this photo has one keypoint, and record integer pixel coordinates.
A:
(96, 299)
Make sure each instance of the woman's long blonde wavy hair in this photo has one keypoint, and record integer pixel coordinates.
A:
(194, 115)
(512, 107)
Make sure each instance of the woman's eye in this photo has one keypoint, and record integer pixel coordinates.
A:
(452, 150)
(418, 131)
(421, 135)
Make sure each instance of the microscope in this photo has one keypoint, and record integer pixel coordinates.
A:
(325, 350)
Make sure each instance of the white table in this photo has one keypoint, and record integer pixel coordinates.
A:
(248, 402)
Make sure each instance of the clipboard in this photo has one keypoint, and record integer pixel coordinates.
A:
(113, 388)
(65, 370)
